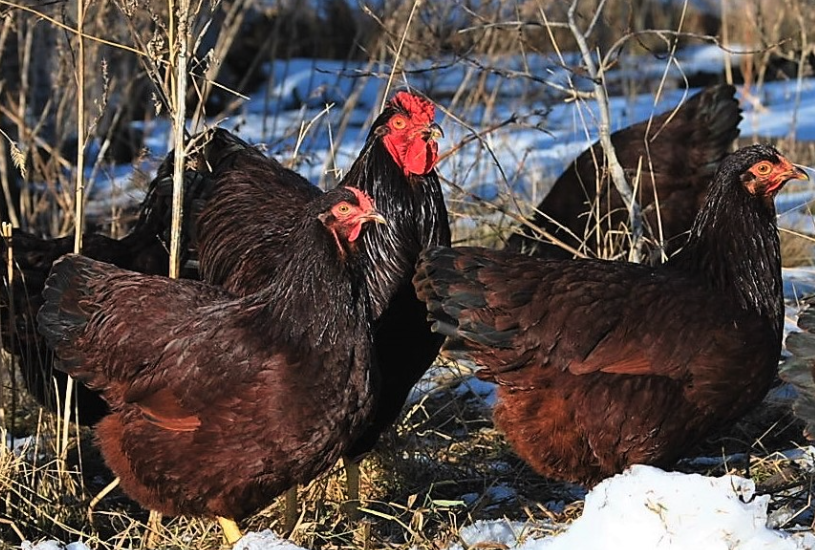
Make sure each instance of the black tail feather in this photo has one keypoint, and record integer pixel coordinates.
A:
(447, 280)
(64, 313)
(222, 146)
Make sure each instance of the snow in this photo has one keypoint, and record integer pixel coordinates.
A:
(644, 507)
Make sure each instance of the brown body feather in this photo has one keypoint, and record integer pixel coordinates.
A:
(675, 156)
(603, 364)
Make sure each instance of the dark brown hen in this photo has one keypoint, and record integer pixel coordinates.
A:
(144, 249)
(242, 245)
(602, 364)
(799, 368)
(674, 155)
(221, 403)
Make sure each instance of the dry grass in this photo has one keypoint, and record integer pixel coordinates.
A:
(444, 465)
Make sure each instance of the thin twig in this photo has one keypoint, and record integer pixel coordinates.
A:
(398, 56)
(180, 46)
(604, 129)
(79, 199)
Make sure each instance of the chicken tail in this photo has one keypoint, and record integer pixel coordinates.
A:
(216, 154)
(222, 147)
(799, 369)
(454, 284)
(66, 311)
(715, 119)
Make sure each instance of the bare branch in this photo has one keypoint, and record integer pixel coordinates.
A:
(179, 45)
(615, 169)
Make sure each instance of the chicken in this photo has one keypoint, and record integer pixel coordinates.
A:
(673, 156)
(221, 403)
(602, 364)
(799, 369)
(144, 249)
(241, 244)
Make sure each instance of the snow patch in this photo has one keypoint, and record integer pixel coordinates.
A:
(649, 509)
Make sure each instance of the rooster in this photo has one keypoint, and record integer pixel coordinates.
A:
(603, 364)
(144, 249)
(673, 156)
(263, 391)
(242, 244)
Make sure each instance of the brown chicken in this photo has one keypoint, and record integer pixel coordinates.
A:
(602, 364)
(675, 156)
(221, 403)
(799, 369)
(144, 249)
(241, 244)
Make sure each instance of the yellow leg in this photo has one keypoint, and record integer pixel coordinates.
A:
(102, 494)
(153, 526)
(231, 530)
(292, 509)
(352, 481)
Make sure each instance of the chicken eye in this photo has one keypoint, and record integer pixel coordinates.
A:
(764, 168)
(344, 209)
(398, 122)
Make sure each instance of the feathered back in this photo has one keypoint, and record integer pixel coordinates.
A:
(145, 249)
(675, 155)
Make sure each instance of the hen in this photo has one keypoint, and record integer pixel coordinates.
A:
(602, 364)
(263, 391)
(799, 369)
(674, 155)
(241, 240)
(144, 249)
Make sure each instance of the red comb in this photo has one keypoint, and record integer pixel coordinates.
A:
(419, 108)
(365, 202)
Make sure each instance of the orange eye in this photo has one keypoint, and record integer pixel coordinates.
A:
(764, 168)
(344, 208)
(398, 122)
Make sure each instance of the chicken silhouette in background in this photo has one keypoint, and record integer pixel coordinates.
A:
(602, 364)
(673, 156)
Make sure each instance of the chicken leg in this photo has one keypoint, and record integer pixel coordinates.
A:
(292, 509)
(231, 530)
(153, 527)
(352, 483)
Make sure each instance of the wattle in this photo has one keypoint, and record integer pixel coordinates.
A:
(420, 157)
